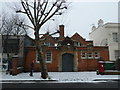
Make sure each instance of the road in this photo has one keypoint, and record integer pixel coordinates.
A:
(61, 85)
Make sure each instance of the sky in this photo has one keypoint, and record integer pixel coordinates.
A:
(81, 16)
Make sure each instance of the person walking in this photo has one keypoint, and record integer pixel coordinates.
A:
(31, 68)
(9, 65)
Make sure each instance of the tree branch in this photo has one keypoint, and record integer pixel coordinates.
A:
(35, 17)
(46, 19)
(49, 11)
(29, 11)
(25, 25)
(19, 11)
(42, 12)
(26, 10)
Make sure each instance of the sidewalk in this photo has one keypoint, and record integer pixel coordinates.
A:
(60, 77)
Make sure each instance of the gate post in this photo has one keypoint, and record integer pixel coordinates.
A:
(75, 61)
(14, 65)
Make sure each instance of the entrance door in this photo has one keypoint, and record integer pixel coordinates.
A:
(67, 62)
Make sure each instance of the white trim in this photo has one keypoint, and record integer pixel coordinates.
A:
(46, 57)
(115, 36)
(97, 54)
(19, 67)
(85, 55)
(36, 58)
(96, 57)
(91, 55)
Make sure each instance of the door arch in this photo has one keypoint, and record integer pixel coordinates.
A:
(67, 62)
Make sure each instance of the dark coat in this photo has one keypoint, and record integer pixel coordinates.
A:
(9, 63)
(32, 66)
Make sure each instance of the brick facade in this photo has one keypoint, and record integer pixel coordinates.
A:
(74, 46)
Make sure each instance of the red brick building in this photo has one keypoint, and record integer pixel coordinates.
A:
(67, 53)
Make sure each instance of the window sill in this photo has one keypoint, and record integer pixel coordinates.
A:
(97, 57)
(48, 61)
(37, 62)
(83, 58)
(90, 57)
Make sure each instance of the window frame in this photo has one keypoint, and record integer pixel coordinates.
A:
(118, 54)
(36, 58)
(85, 56)
(77, 44)
(47, 44)
(47, 56)
(91, 55)
(115, 36)
(97, 56)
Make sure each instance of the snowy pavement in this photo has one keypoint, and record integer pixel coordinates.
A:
(61, 77)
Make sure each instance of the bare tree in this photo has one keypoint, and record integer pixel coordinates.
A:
(13, 25)
(39, 12)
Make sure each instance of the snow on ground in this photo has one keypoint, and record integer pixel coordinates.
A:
(61, 76)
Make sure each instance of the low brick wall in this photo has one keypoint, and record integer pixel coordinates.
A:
(19, 70)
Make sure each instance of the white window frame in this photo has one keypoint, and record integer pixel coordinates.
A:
(46, 57)
(77, 44)
(98, 55)
(91, 55)
(36, 58)
(115, 37)
(82, 55)
(117, 54)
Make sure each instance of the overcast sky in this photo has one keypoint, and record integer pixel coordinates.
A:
(82, 14)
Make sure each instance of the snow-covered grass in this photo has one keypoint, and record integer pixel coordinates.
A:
(61, 76)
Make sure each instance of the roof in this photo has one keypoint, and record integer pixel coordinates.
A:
(113, 25)
(108, 25)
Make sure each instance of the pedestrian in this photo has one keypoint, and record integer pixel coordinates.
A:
(32, 68)
(8, 71)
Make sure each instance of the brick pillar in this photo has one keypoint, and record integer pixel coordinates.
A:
(75, 61)
(14, 65)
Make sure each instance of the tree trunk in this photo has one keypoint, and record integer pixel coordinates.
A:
(43, 68)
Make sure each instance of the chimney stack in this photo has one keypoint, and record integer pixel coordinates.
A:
(61, 28)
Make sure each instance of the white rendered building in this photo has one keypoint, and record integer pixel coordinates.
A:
(107, 35)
